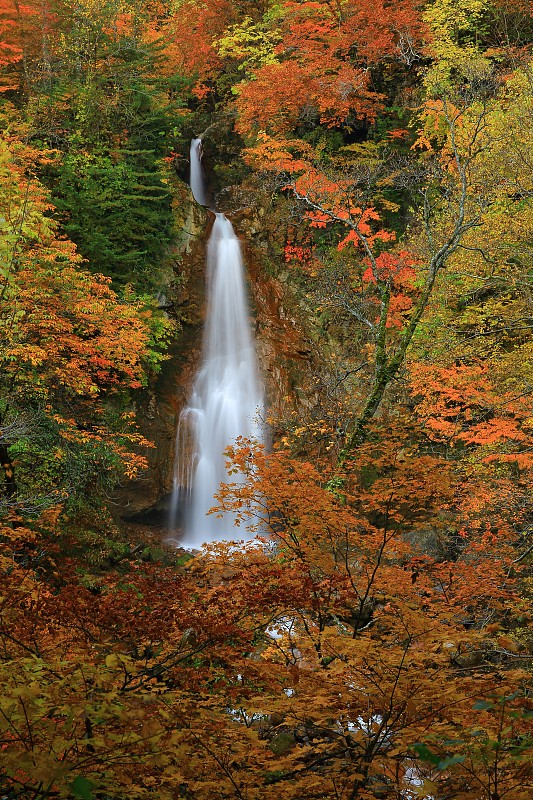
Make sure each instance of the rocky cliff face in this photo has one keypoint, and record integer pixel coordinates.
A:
(283, 347)
(159, 407)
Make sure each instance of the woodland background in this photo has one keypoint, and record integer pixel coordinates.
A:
(379, 645)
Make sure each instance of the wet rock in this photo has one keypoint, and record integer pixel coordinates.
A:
(158, 408)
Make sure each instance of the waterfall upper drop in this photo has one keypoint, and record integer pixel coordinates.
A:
(227, 396)
(197, 174)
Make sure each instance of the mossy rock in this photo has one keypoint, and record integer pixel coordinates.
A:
(282, 743)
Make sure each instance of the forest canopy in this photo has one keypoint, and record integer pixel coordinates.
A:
(378, 642)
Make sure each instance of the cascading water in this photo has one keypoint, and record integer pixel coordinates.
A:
(197, 174)
(227, 396)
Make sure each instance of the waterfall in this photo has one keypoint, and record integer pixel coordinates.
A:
(197, 174)
(227, 396)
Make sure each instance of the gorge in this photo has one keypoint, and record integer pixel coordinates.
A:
(361, 173)
(227, 397)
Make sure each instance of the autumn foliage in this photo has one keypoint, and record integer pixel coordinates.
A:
(374, 642)
(361, 648)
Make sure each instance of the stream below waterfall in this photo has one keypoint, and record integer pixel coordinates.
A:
(227, 398)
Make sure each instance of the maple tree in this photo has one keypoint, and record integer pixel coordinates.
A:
(454, 193)
(312, 72)
(16, 20)
(336, 662)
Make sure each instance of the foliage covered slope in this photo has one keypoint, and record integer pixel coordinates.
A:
(378, 645)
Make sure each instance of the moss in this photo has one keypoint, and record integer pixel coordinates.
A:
(282, 743)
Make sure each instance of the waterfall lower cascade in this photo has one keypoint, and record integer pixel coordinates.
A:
(227, 395)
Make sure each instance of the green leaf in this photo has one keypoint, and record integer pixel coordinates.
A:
(82, 788)
(513, 696)
(450, 760)
(425, 754)
(482, 705)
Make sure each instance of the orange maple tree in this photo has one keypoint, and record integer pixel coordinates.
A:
(323, 64)
(366, 646)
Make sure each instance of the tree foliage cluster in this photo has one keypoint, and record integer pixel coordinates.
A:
(88, 81)
(377, 642)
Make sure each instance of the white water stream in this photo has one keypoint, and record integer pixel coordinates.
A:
(197, 181)
(227, 395)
